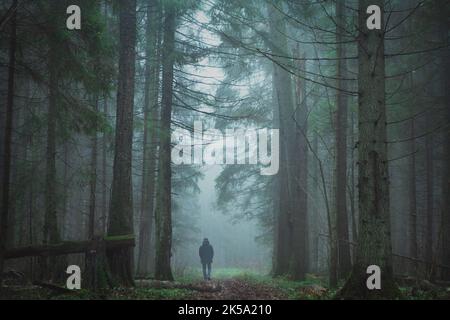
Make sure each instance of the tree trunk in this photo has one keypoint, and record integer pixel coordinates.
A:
(276, 205)
(104, 171)
(343, 246)
(149, 149)
(413, 195)
(300, 166)
(121, 206)
(445, 202)
(52, 268)
(163, 211)
(93, 180)
(429, 195)
(95, 261)
(7, 142)
(66, 188)
(353, 184)
(105, 188)
(374, 236)
(287, 220)
(316, 209)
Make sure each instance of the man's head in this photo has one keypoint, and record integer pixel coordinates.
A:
(205, 241)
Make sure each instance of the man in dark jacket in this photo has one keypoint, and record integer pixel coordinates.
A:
(206, 253)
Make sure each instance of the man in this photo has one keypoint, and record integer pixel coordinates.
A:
(206, 253)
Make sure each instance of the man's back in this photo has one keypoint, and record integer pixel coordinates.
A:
(206, 253)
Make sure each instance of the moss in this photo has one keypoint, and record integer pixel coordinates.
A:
(122, 237)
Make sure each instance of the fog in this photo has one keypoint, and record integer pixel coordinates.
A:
(235, 242)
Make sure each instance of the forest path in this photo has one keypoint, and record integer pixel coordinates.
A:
(234, 284)
(237, 289)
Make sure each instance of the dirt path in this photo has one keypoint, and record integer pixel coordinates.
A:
(237, 289)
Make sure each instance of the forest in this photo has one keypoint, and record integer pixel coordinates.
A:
(308, 141)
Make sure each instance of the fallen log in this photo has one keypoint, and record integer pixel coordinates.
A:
(69, 247)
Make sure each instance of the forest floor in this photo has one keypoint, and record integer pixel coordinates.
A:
(227, 284)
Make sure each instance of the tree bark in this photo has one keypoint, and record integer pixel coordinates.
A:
(429, 195)
(7, 141)
(121, 205)
(352, 187)
(163, 211)
(413, 195)
(95, 261)
(93, 180)
(104, 171)
(52, 268)
(104, 150)
(300, 166)
(445, 177)
(374, 237)
(343, 247)
(149, 146)
(290, 258)
(315, 223)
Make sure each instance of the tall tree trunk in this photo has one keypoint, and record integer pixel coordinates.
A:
(352, 187)
(121, 205)
(413, 195)
(276, 205)
(149, 148)
(105, 188)
(16, 216)
(66, 187)
(53, 267)
(315, 210)
(343, 247)
(163, 211)
(374, 237)
(443, 9)
(299, 147)
(287, 220)
(104, 170)
(412, 183)
(29, 199)
(429, 195)
(90, 257)
(7, 141)
(93, 180)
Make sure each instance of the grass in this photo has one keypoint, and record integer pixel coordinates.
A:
(291, 289)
